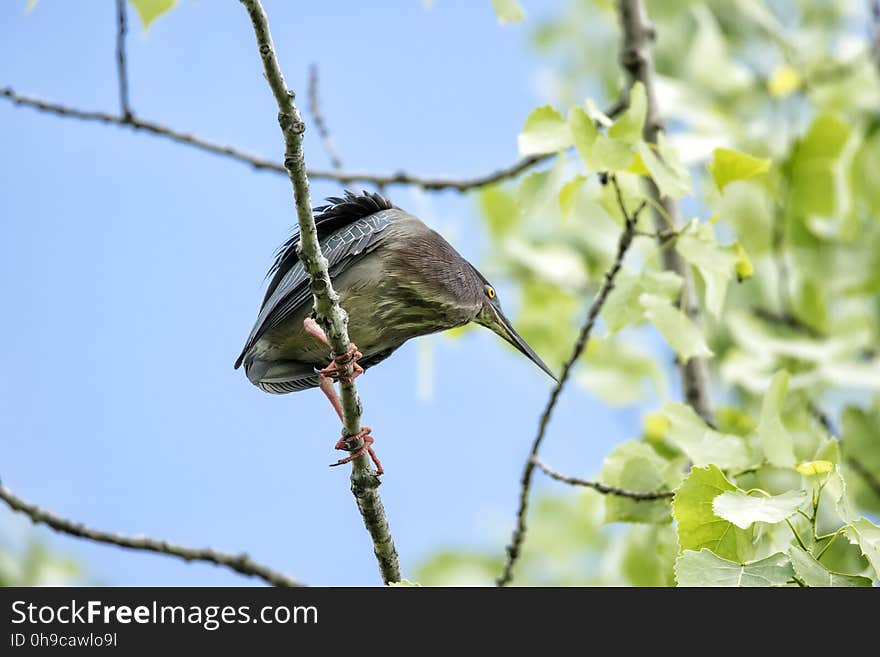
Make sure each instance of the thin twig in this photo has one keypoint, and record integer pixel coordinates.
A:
(870, 479)
(661, 236)
(626, 238)
(430, 183)
(789, 321)
(637, 59)
(121, 69)
(240, 563)
(600, 487)
(318, 117)
(331, 316)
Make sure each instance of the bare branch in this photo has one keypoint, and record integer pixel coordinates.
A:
(637, 60)
(430, 183)
(240, 563)
(141, 125)
(315, 110)
(364, 483)
(787, 320)
(626, 238)
(121, 70)
(599, 487)
(661, 236)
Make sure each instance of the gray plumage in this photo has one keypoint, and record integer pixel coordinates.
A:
(396, 278)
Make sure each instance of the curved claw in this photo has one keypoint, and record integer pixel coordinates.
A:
(366, 448)
(338, 368)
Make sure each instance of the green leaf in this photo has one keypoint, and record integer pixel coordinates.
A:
(702, 444)
(508, 11)
(775, 438)
(704, 568)
(708, 60)
(545, 131)
(611, 155)
(680, 332)
(744, 510)
(860, 440)
(619, 372)
(833, 493)
(671, 177)
(698, 526)
(635, 466)
(583, 133)
(649, 555)
(716, 264)
(749, 209)
(598, 150)
(500, 208)
(816, 173)
(150, 10)
(867, 535)
(543, 305)
(539, 191)
(622, 306)
(728, 165)
(569, 195)
(813, 573)
(826, 138)
(629, 127)
(552, 263)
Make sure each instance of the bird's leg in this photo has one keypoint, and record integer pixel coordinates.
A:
(325, 383)
(366, 448)
(338, 367)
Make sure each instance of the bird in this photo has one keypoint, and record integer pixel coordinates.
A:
(396, 278)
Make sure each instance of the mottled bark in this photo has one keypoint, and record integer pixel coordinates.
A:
(330, 315)
(637, 60)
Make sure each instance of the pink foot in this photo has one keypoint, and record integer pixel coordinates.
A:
(366, 448)
(338, 367)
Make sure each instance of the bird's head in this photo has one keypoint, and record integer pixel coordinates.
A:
(492, 317)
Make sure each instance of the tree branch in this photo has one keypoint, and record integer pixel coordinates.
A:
(430, 183)
(331, 316)
(240, 563)
(600, 487)
(637, 60)
(789, 321)
(121, 70)
(315, 110)
(626, 238)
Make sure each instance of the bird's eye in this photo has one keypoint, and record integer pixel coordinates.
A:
(490, 291)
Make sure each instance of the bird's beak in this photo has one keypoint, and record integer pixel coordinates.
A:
(502, 326)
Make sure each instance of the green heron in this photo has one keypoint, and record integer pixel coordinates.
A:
(396, 278)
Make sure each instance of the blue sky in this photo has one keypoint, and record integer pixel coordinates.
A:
(131, 269)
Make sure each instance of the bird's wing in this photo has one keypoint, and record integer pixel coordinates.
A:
(280, 382)
(341, 248)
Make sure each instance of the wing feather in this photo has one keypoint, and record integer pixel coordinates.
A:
(341, 248)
